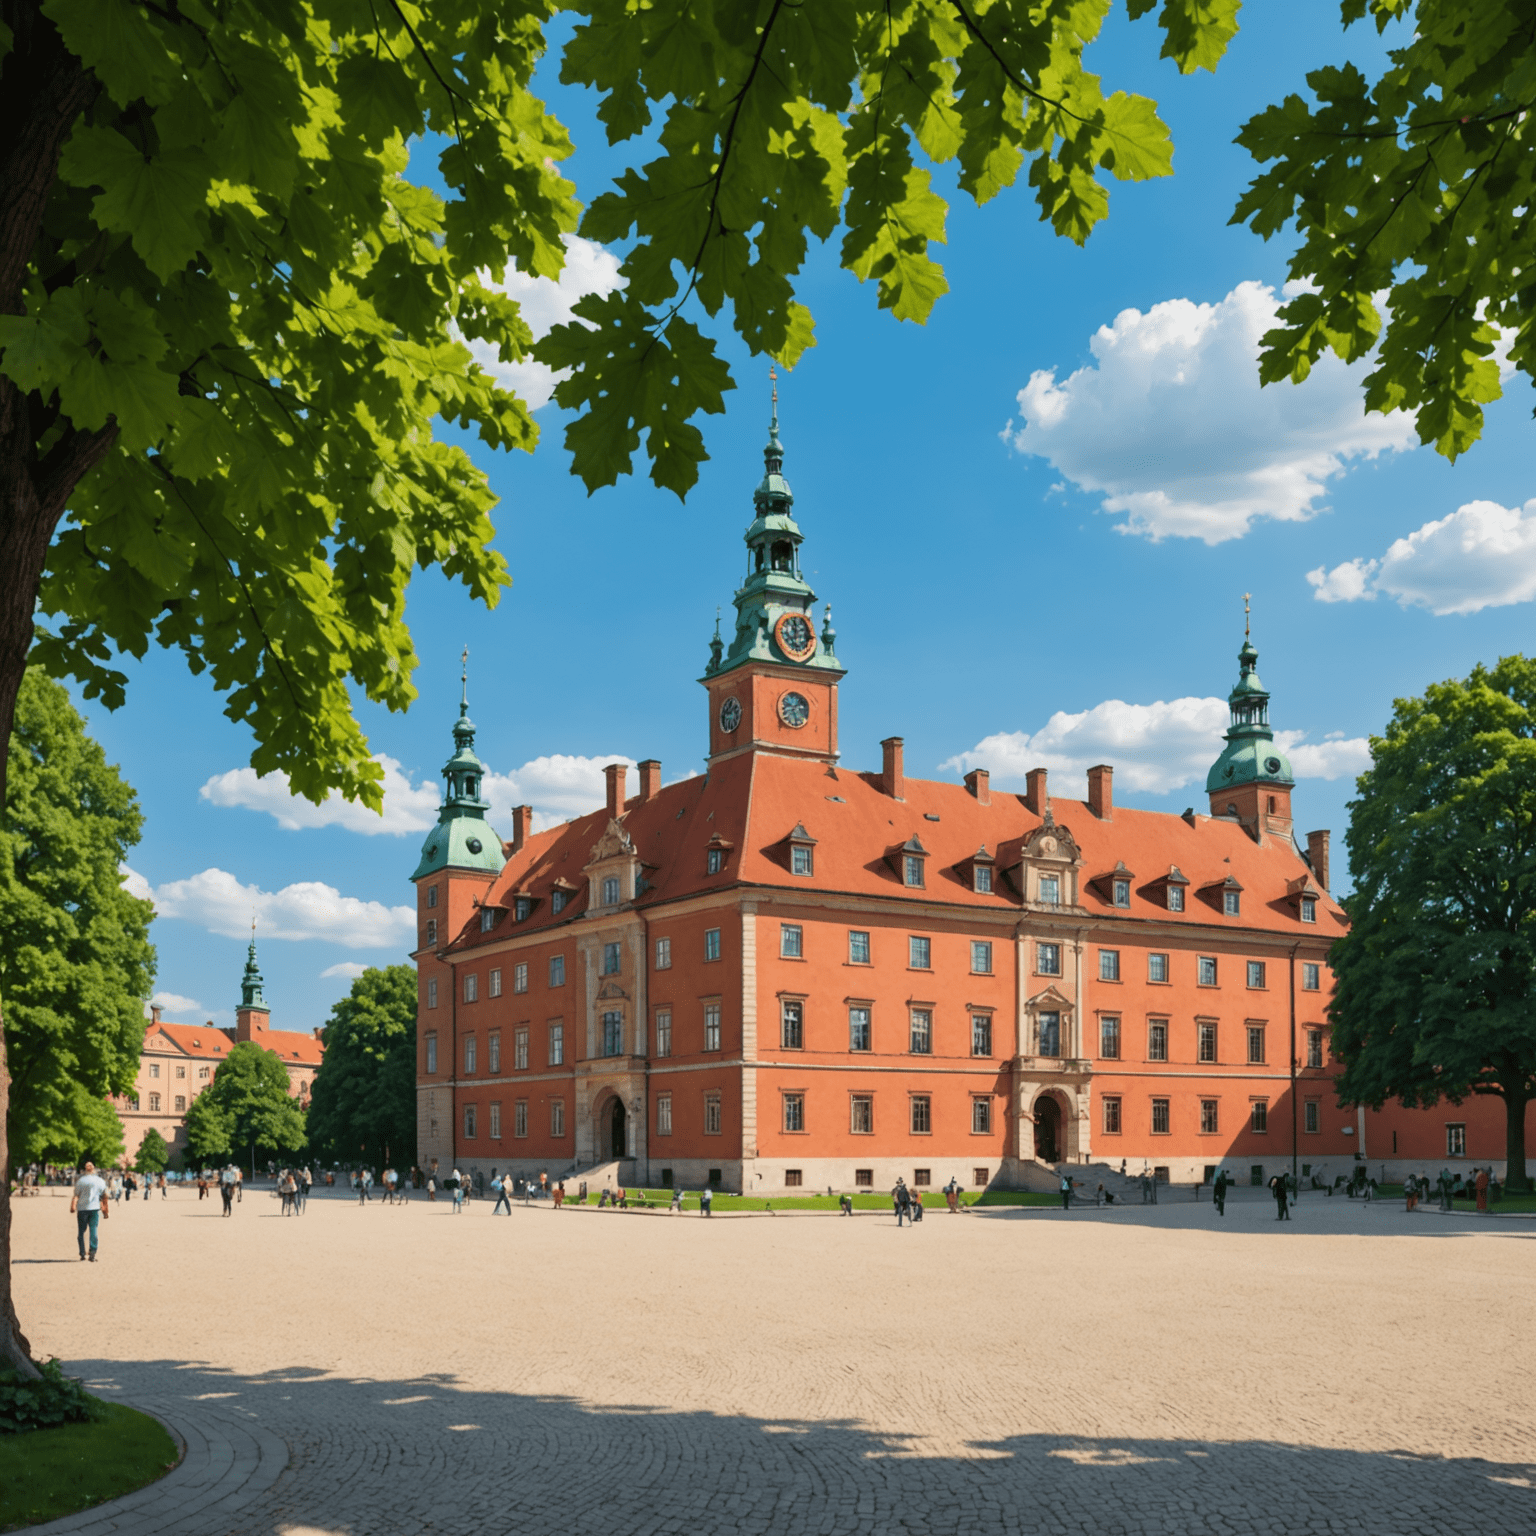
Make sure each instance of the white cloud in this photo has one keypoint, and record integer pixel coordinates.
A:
(1171, 426)
(1482, 556)
(174, 1002)
(546, 303)
(217, 901)
(407, 807)
(134, 883)
(350, 970)
(1154, 748)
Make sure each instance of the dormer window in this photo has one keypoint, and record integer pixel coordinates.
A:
(1175, 898)
(907, 861)
(983, 878)
(981, 871)
(1050, 890)
(802, 860)
(1232, 903)
(610, 890)
(522, 908)
(1121, 893)
(487, 919)
(557, 902)
(911, 869)
(1309, 909)
(714, 861)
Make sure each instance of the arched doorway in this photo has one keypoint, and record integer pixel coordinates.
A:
(618, 1141)
(1047, 1129)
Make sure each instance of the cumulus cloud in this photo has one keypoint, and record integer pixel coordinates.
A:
(1154, 748)
(134, 883)
(308, 909)
(348, 970)
(1482, 556)
(546, 303)
(1170, 425)
(174, 1002)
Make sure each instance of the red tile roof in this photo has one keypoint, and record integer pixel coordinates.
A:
(193, 1039)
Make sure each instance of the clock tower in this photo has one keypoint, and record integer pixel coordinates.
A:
(774, 686)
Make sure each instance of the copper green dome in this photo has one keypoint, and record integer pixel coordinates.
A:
(462, 838)
(1250, 755)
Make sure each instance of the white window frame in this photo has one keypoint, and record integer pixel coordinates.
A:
(557, 1043)
(981, 957)
(520, 1048)
(664, 1114)
(712, 1026)
(791, 941)
(494, 989)
(664, 954)
(663, 1031)
(520, 976)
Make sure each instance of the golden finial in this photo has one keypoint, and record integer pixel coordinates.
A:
(1246, 596)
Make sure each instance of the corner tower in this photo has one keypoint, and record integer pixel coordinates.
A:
(252, 1016)
(1252, 778)
(774, 688)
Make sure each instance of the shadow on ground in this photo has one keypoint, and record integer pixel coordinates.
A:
(395, 1458)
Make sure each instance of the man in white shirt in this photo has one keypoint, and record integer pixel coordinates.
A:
(89, 1207)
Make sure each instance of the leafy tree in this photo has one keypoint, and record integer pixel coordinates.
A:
(153, 1155)
(363, 1106)
(248, 1103)
(1436, 978)
(1411, 193)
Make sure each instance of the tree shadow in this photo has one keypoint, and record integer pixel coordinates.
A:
(378, 1456)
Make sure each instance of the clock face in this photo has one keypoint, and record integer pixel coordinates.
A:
(796, 638)
(793, 710)
(1272, 765)
(730, 715)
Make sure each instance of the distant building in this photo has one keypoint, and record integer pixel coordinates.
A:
(180, 1060)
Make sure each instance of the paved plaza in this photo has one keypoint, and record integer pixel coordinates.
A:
(600, 1373)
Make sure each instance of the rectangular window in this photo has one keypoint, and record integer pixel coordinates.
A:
(202, 1073)
(1122, 893)
(792, 1026)
(981, 1034)
(981, 957)
(858, 947)
(1159, 1117)
(1048, 959)
(557, 970)
(520, 1118)
(983, 880)
(1455, 1138)
(922, 1114)
(154, 1101)
(557, 1045)
(181, 1103)
(664, 1115)
(858, 1029)
(471, 988)
(711, 943)
(1157, 967)
(711, 1114)
(1112, 1116)
(613, 1033)
(664, 1032)
(714, 861)
(794, 1111)
(1311, 976)
(922, 1176)
(919, 953)
(981, 1117)
(432, 992)
(1050, 1034)
(712, 1026)
(1207, 970)
(1255, 1044)
(520, 1050)
(557, 1117)
(1255, 973)
(1310, 1117)
(469, 1122)
(1209, 1121)
(496, 1120)
(469, 1053)
(520, 976)
(1175, 898)
(862, 1114)
(612, 959)
(610, 890)
(495, 987)
(1109, 1039)
(791, 941)
(432, 1052)
(912, 870)
(1207, 1042)
(1314, 1047)
(431, 933)
(431, 895)
(793, 1178)
(663, 954)
(493, 1051)
(557, 901)
(801, 860)
(1109, 965)
(921, 1032)
(487, 919)
(1309, 909)
(181, 1071)
(863, 1178)
(1050, 890)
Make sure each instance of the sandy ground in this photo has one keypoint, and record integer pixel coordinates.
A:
(434, 1371)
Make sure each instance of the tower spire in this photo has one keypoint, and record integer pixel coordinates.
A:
(464, 683)
(1246, 635)
(461, 839)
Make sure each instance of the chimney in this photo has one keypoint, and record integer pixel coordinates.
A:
(522, 827)
(1036, 796)
(650, 779)
(616, 774)
(1101, 797)
(979, 782)
(892, 780)
(1317, 855)
(155, 1010)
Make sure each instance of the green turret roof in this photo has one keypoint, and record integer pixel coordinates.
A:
(462, 838)
(250, 982)
(1250, 755)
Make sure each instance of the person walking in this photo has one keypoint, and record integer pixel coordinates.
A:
(1066, 1191)
(503, 1197)
(707, 1201)
(917, 1206)
(305, 1180)
(227, 1189)
(1219, 1191)
(1278, 1190)
(239, 1187)
(560, 1194)
(1481, 1185)
(88, 1208)
(456, 1184)
(543, 1184)
(901, 1201)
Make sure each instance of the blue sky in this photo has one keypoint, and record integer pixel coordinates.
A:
(1053, 580)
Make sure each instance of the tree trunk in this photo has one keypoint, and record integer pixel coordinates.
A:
(1516, 1180)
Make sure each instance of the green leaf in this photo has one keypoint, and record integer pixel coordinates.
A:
(1197, 31)
(125, 46)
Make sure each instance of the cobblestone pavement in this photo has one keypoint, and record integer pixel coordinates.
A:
(1138, 1370)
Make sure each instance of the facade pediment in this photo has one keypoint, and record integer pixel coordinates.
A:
(1052, 844)
(614, 842)
(1051, 997)
(611, 989)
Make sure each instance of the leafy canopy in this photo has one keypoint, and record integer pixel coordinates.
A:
(1436, 978)
(363, 1105)
(1411, 194)
(246, 1106)
(76, 962)
(154, 1155)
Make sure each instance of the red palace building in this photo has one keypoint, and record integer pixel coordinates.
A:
(790, 973)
